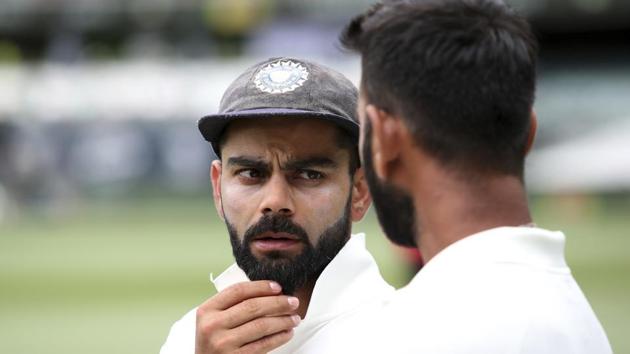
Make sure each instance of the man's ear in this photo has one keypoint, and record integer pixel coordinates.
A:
(215, 177)
(533, 127)
(361, 198)
(387, 132)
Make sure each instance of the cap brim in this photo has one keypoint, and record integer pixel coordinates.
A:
(212, 126)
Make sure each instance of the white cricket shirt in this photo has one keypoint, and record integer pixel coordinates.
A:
(350, 283)
(506, 290)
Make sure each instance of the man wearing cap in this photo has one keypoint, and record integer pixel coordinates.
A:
(288, 185)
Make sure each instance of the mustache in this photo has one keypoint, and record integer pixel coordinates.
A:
(275, 223)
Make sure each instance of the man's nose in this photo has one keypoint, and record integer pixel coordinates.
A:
(277, 197)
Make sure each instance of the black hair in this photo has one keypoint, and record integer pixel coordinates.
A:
(349, 143)
(460, 73)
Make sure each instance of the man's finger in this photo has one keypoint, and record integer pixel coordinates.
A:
(240, 292)
(251, 309)
(263, 327)
(268, 343)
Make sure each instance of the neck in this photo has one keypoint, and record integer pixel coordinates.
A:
(304, 295)
(449, 209)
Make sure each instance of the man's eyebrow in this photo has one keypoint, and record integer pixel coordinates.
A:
(247, 161)
(309, 163)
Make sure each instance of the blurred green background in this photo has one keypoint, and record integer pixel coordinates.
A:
(113, 278)
(107, 228)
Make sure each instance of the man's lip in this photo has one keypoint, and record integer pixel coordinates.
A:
(277, 235)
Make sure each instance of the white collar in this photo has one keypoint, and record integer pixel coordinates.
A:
(348, 280)
(524, 245)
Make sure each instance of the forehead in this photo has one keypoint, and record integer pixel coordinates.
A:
(297, 137)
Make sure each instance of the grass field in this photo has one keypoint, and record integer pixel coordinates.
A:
(113, 278)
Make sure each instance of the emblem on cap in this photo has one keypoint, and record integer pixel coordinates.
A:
(281, 76)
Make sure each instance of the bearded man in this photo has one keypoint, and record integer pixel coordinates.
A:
(288, 184)
(446, 111)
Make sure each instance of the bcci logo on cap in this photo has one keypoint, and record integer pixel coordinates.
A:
(281, 76)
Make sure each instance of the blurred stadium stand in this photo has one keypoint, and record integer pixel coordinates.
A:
(100, 98)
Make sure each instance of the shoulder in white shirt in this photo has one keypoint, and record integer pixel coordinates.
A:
(506, 291)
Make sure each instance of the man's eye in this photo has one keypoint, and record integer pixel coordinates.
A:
(310, 174)
(249, 173)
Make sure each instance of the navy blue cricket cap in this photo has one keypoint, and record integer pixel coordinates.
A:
(285, 87)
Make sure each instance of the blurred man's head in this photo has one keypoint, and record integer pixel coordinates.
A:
(459, 75)
(288, 182)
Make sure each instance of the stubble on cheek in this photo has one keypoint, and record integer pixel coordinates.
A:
(323, 211)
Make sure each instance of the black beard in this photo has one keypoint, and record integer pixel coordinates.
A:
(291, 272)
(394, 207)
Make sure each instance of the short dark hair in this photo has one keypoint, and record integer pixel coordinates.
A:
(460, 73)
(349, 143)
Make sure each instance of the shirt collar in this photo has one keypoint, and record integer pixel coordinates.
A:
(525, 245)
(351, 278)
(232, 275)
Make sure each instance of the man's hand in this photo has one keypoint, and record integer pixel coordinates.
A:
(249, 317)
